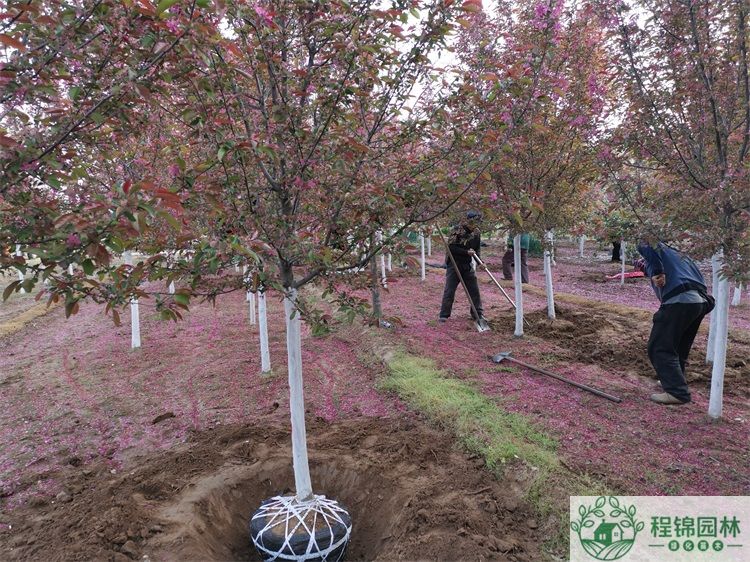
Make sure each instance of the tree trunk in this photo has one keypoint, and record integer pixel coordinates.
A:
(552, 261)
(548, 278)
(581, 242)
(517, 283)
(384, 277)
(251, 307)
(429, 244)
(302, 481)
(390, 262)
(377, 311)
(135, 314)
(265, 357)
(421, 241)
(737, 294)
(716, 400)
(622, 263)
(715, 266)
(20, 275)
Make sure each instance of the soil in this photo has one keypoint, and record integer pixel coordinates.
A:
(603, 335)
(411, 493)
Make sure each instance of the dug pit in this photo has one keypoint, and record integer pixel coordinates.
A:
(413, 493)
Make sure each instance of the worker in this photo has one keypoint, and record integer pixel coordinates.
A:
(464, 242)
(681, 289)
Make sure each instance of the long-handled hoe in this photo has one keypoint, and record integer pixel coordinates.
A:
(481, 323)
(505, 356)
(499, 286)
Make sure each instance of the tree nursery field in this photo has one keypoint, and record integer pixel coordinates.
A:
(278, 278)
(163, 452)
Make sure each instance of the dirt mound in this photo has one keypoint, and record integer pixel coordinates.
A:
(411, 494)
(617, 339)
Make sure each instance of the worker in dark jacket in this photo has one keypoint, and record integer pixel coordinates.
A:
(464, 243)
(681, 289)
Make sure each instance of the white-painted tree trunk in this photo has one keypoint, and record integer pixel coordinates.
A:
(251, 307)
(548, 278)
(622, 263)
(552, 262)
(383, 276)
(429, 244)
(716, 399)
(715, 266)
(265, 357)
(171, 288)
(135, 313)
(70, 269)
(517, 282)
(421, 242)
(390, 262)
(737, 294)
(297, 399)
(20, 275)
(581, 242)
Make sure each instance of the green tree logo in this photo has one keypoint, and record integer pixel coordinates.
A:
(607, 536)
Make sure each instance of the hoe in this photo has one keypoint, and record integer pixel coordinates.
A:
(505, 356)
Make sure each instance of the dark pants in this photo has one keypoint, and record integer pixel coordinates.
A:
(451, 284)
(616, 250)
(672, 336)
(508, 265)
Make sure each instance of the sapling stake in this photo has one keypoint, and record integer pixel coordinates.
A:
(622, 263)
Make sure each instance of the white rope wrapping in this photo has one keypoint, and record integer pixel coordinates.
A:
(293, 515)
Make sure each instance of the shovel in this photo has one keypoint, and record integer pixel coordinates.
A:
(481, 323)
(499, 286)
(505, 356)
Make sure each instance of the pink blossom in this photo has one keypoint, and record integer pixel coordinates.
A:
(173, 25)
(73, 241)
(174, 170)
(493, 196)
(264, 14)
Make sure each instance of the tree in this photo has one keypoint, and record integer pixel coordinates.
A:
(687, 123)
(279, 129)
(541, 104)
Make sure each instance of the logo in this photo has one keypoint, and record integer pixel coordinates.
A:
(607, 529)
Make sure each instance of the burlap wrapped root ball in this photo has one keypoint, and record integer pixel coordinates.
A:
(284, 528)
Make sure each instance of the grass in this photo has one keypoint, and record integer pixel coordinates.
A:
(500, 437)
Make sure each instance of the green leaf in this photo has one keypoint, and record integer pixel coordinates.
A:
(182, 298)
(9, 289)
(164, 5)
(88, 267)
